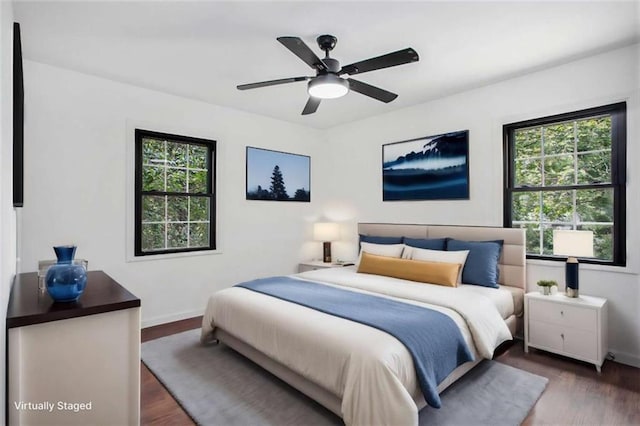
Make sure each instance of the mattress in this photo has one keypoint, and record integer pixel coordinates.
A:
(503, 298)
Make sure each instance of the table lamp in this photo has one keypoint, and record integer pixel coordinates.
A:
(326, 232)
(573, 244)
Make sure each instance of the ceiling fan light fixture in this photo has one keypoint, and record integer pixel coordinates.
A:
(328, 86)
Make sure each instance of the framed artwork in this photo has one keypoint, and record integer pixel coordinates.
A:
(429, 168)
(278, 176)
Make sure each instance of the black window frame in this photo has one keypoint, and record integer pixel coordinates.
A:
(617, 111)
(140, 134)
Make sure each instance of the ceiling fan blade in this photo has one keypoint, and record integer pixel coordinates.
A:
(400, 57)
(311, 106)
(371, 91)
(272, 82)
(302, 51)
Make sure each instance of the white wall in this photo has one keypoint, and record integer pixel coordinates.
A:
(356, 192)
(76, 136)
(7, 215)
(79, 126)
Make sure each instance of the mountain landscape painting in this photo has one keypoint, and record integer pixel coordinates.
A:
(277, 176)
(430, 168)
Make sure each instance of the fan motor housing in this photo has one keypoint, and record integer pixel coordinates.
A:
(333, 65)
(327, 42)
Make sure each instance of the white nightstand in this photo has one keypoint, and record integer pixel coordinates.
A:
(312, 265)
(574, 327)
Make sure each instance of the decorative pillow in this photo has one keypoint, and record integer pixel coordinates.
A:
(481, 267)
(379, 240)
(440, 273)
(459, 257)
(388, 250)
(426, 243)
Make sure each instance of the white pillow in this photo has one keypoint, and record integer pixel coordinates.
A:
(439, 256)
(389, 250)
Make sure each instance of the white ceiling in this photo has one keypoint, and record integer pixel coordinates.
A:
(202, 50)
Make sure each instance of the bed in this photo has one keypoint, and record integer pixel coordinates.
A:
(362, 374)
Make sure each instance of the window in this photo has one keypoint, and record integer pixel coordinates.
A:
(568, 172)
(174, 193)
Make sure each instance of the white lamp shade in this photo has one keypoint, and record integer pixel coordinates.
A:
(573, 243)
(326, 231)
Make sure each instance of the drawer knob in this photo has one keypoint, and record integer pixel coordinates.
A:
(562, 335)
(561, 312)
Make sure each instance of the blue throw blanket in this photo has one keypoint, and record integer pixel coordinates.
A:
(433, 339)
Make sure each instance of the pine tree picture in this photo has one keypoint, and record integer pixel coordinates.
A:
(277, 176)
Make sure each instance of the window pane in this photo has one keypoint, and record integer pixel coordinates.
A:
(547, 239)
(152, 208)
(528, 142)
(594, 167)
(558, 138)
(532, 232)
(602, 240)
(557, 206)
(528, 172)
(177, 235)
(526, 206)
(198, 182)
(199, 208)
(198, 235)
(594, 134)
(153, 178)
(152, 151)
(559, 170)
(152, 237)
(176, 154)
(594, 205)
(197, 157)
(176, 180)
(177, 209)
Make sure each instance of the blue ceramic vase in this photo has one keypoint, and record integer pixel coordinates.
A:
(66, 280)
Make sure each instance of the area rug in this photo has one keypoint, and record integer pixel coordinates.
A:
(217, 386)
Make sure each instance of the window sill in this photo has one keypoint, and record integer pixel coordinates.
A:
(585, 266)
(131, 258)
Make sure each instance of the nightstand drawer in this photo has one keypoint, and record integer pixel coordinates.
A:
(578, 343)
(581, 344)
(545, 335)
(562, 314)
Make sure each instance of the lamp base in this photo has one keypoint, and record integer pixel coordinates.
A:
(571, 277)
(572, 292)
(326, 252)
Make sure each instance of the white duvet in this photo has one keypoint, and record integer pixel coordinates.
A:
(369, 370)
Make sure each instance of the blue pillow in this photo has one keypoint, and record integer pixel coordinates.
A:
(380, 240)
(426, 243)
(481, 267)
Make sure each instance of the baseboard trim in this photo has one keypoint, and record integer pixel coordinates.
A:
(150, 322)
(626, 358)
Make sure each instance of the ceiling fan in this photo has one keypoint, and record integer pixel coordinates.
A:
(329, 82)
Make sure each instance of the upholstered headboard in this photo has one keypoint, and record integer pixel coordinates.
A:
(512, 262)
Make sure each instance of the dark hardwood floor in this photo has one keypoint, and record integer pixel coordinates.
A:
(576, 393)
(157, 406)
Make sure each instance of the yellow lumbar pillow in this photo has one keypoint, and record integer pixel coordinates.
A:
(441, 273)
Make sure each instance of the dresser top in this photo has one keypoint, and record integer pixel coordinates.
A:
(590, 301)
(28, 305)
